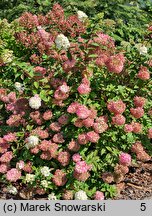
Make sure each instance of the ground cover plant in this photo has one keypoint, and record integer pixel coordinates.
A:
(76, 105)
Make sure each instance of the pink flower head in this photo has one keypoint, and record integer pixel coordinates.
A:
(46, 155)
(143, 156)
(81, 167)
(6, 157)
(59, 102)
(117, 107)
(137, 127)
(10, 137)
(100, 127)
(15, 120)
(42, 134)
(28, 167)
(88, 122)
(102, 119)
(93, 137)
(2, 141)
(115, 63)
(2, 92)
(73, 146)
(13, 175)
(60, 95)
(137, 147)
(55, 126)
(82, 139)
(101, 60)
(10, 107)
(63, 119)
(124, 159)
(43, 34)
(47, 115)
(73, 107)
(104, 40)
(64, 88)
(34, 150)
(85, 81)
(58, 138)
(139, 101)
(45, 145)
(53, 150)
(143, 73)
(93, 113)
(12, 97)
(118, 119)
(3, 167)
(3, 146)
(64, 158)
(28, 20)
(137, 112)
(68, 65)
(99, 195)
(78, 123)
(82, 112)
(80, 39)
(128, 128)
(35, 115)
(76, 157)
(81, 176)
(59, 178)
(35, 59)
(4, 98)
(84, 89)
(150, 133)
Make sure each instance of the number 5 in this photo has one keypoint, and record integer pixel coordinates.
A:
(143, 206)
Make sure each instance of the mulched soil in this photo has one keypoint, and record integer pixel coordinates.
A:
(137, 185)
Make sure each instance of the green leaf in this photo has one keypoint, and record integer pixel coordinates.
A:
(95, 44)
(93, 55)
(103, 151)
(36, 84)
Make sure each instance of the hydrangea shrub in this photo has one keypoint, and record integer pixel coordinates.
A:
(76, 109)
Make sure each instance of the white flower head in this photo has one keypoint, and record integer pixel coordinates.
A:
(52, 196)
(62, 42)
(32, 141)
(44, 183)
(81, 195)
(64, 88)
(12, 190)
(143, 50)
(81, 16)
(35, 102)
(45, 171)
(19, 86)
(20, 165)
(39, 27)
(29, 178)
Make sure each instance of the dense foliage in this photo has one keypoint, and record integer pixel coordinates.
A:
(75, 101)
(137, 11)
(127, 19)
